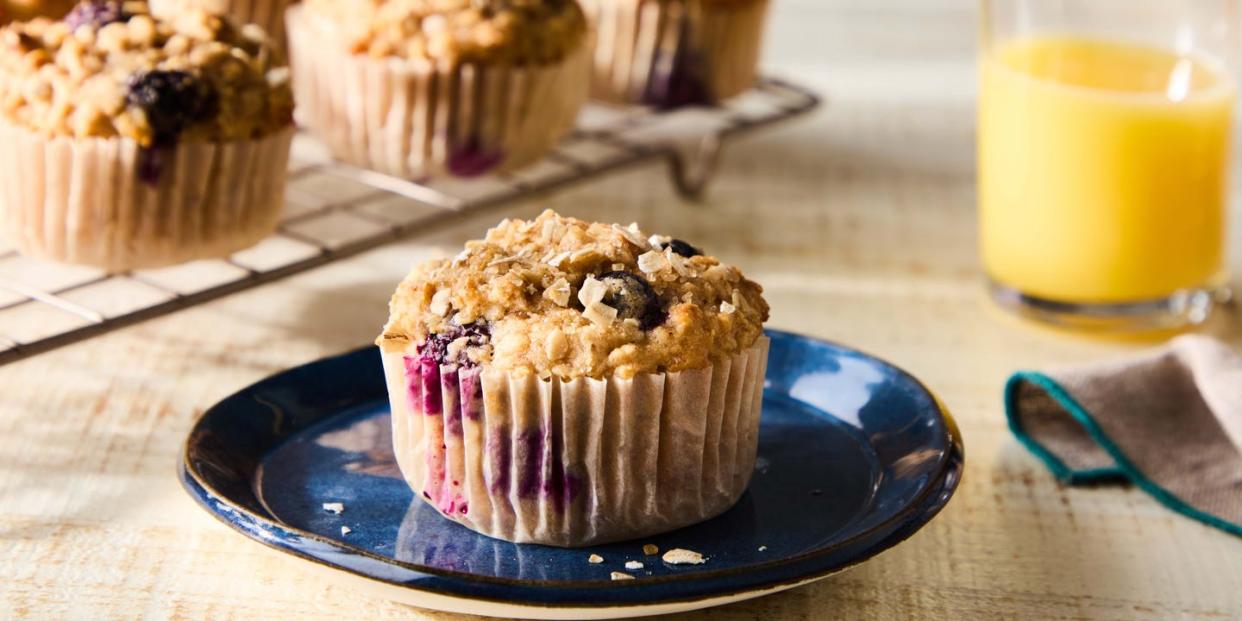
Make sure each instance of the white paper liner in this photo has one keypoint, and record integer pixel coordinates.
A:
(81, 200)
(415, 120)
(573, 463)
(268, 14)
(636, 42)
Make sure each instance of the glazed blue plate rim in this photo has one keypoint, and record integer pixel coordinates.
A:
(930, 506)
(930, 499)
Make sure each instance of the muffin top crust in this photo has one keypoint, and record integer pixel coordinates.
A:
(27, 9)
(557, 296)
(517, 32)
(112, 69)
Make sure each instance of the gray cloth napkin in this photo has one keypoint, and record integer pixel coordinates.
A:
(1170, 421)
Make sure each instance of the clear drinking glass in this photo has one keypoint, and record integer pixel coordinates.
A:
(1104, 157)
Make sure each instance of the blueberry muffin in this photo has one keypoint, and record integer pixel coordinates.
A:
(672, 53)
(130, 141)
(570, 383)
(415, 88)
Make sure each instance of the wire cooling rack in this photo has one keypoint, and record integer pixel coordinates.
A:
(333, 211)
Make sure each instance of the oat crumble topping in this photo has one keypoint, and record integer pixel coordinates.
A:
(112, 69)
(545, 297)
(510, 31)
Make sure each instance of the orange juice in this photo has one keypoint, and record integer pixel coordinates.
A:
(1103, 169)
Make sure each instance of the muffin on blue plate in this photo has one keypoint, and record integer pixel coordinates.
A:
(570, 383)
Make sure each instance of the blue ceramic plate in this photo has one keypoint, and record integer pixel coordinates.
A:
(855, 455)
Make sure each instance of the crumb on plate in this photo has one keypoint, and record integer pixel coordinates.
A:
(678, 556)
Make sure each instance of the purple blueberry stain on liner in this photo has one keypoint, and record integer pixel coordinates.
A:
(151, 164)
(471, 158)
(530, 462)
(433, 353)
(681, 80)
(559, 486)
(429, 374)
(500, 456)
(413, 379)
(472, 393)
(453, 505)
(450, 385)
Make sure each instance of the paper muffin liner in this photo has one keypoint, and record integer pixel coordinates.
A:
(416, 119)
(674, 52)
(85, 200)
(578, 462)
(268, 14)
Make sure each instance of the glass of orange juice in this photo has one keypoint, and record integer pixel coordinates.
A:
(1104, 154)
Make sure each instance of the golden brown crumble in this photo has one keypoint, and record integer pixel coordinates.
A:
(61, 80)
(564, 297)
(516, 32)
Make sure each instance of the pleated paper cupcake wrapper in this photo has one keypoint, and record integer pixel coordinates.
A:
(671, 53)
(84, 200)
(573, 463)
(268, 14)
(417, 120)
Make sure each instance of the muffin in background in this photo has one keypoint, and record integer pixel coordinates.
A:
(128, 141)
(571, 383)
(460, 87)
(266, 14)
(672, 53)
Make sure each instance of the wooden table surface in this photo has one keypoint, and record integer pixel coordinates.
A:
(860, 224)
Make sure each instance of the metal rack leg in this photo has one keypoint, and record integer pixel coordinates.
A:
(693, 166)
